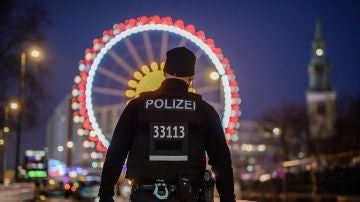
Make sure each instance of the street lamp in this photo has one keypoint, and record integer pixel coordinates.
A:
(60, 148)
(70, 144)
(276, 131)
(14, 105)
(214, 76)
(33, 53)
(6, 129)
(10, 106)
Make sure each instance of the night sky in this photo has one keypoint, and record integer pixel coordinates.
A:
(268, 44)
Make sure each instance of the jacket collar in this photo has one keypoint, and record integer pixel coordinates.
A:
(173, 86)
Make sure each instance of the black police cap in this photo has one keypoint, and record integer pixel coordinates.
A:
(180, 62)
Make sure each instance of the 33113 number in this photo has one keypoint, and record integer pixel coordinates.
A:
(168, 131)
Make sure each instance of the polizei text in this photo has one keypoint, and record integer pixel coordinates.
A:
(170, 104)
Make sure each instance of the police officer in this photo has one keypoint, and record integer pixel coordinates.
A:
(165, 134)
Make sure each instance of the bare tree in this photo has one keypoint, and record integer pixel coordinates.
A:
(291, 121)
(21, 24)
(347, 125)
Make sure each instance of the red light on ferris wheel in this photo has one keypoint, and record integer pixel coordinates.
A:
(155, 19)
(167, 20)
(179, 23)
(217, 50)
(201, 34)
(131, 23)
(121, 26)
(100, 147)
(190, 28)
(144, 20)
(224, 61)
(210, 42)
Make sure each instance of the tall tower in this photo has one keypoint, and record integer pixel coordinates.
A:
(320, 95)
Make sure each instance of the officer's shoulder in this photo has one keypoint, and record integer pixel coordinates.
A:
(196, 96)
(147, 95)
(201, 103)
(205, 106)
(133, 103)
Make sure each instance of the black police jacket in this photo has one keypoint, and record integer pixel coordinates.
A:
(213, 140)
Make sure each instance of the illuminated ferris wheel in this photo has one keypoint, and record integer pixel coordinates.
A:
(129, 59)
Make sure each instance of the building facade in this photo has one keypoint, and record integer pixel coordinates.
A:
(68, 144)
(60, 132)
(320, 95)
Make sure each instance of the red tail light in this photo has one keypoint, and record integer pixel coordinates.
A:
(67, 186)
(73, 188)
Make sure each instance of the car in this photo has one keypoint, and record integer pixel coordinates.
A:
(87, 190)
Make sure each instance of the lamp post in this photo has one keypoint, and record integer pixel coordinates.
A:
(34, 53)
(11, 106)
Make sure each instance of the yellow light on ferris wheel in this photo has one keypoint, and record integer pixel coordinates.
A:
(146, 79)
(145, 69)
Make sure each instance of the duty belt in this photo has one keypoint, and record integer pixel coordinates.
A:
(160, 189)
(150, 187)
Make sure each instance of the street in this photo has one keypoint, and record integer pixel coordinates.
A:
(57, 199)
(116, 200)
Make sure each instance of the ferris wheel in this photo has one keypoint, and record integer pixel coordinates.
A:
(129, 59)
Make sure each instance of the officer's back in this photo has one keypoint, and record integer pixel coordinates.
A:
(165, 134)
